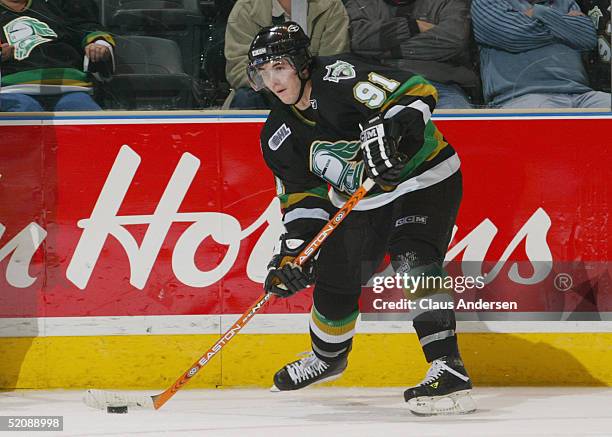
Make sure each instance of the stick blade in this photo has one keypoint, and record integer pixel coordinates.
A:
(101, 399)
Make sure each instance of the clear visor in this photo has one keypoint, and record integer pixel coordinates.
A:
(275, 70)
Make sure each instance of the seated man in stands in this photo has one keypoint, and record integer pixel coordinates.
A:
(530, 54)
(427, 37)
(325, 21)
(47, 49)
(598, 64)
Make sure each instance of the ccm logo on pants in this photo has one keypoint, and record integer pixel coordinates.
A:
(419, 219)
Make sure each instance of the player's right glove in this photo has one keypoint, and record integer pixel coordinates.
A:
(285, 278)
(383, 161)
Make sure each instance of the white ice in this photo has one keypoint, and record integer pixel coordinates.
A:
(327, 412)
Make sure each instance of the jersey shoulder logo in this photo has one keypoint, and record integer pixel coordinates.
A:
(338, 71)
(26, 33)
(595, 14)
(279, 137)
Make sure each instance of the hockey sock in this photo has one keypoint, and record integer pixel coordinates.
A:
(332, 339)
(436, 332)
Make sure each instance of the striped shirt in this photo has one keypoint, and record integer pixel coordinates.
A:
(522, 55)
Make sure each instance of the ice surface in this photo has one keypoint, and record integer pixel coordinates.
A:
(327, 412)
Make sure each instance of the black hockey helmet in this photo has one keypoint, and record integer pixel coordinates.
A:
(286, 40)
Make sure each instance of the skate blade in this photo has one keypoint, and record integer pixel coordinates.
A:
(275, 389)
(460, 402)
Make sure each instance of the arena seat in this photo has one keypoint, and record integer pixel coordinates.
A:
(149, 75)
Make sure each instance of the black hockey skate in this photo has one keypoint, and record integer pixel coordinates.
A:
(445, 390)
(307, 371)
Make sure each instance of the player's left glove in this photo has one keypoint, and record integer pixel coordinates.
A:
(285, 278)
(383, 160)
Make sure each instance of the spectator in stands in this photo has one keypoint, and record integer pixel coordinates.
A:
(428, 37)
(326, 22)
(530, 54)
(599, 59)
(49, 46)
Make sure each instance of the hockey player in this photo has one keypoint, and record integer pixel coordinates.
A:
(313, 138)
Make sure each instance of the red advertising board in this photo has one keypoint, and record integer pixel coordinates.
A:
(121, 217)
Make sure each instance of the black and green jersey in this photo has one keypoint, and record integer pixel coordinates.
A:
(48, 39)
(310, 150)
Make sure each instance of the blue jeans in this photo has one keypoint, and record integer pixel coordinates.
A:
(246, 98)
(591, 99)
(451, 96)
(75, 101)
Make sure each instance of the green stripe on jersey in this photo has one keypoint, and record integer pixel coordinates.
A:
(47, 75)
(290, 199)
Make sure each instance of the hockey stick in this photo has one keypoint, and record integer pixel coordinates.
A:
(101, 398)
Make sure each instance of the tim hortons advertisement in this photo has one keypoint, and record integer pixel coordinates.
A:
(175, 218)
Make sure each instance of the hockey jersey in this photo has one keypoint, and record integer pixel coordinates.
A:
(599, 60)
(310, 150)
(48, 39)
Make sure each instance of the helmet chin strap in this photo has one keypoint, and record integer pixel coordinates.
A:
(302, 88)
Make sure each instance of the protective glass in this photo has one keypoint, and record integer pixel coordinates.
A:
(274, 70)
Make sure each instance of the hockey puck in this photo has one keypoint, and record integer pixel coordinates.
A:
(117, 410)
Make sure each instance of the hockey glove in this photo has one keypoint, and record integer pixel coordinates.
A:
(383, 161)
(284, 277)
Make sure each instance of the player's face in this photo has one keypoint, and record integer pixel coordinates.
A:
(280, 77)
